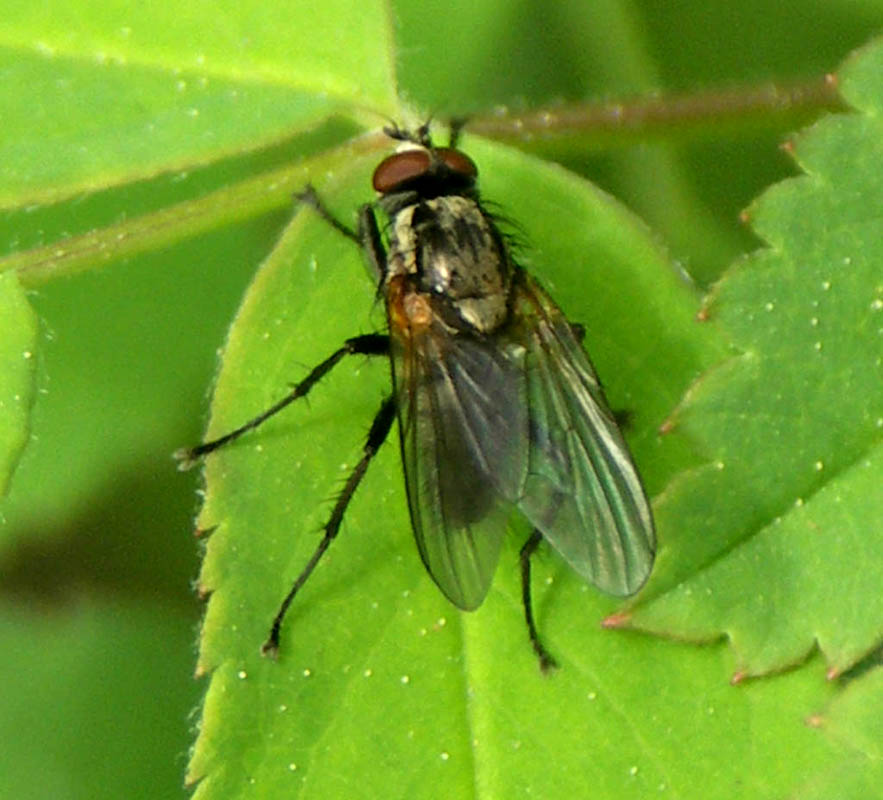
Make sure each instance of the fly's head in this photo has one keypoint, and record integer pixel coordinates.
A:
(418, 170)
(446, 256)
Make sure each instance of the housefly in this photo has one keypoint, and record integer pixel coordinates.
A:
(499, 411)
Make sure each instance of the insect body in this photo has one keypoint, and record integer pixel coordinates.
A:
(499, 410)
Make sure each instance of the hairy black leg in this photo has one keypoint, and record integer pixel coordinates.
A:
(371, 344)
(579, 331)
(367, 236)
(309, 196)
(376, 436)
(624, 417)
(372, 243)
(547, 663)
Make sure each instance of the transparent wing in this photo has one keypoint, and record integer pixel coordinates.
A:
(463, 427)
(582, 491)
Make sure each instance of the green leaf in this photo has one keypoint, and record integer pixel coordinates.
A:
(119, 93)
(97, 615)
(18, 333)
(76, 726)
(780, 534)
(854, 724)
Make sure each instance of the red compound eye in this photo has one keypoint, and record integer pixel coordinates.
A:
(457, 161)
(409, 164)
(398, 168)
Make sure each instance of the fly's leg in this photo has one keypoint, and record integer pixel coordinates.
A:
(371, 243)
(367, 236)
(547, 662)
(376, 436)
(371, 344)
(309, 197)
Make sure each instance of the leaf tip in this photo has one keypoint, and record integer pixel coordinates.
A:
(738, 677)
(204, 533)
(620, 619)
(832, 673)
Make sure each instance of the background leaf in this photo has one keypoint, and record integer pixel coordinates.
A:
(853, 723)
(69, 665)
(18, 330)
(790, 540)
(126, 92)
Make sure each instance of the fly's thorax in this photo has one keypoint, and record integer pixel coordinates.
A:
(447, 251)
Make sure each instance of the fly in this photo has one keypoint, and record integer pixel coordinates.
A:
(499, 410)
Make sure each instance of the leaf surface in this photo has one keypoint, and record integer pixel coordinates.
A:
(780, 542)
